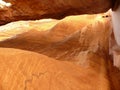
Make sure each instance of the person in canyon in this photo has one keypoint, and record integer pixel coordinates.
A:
(115, 37)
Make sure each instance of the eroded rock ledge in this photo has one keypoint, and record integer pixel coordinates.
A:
(37, 9)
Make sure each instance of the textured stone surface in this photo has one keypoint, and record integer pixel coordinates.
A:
(68, 54)
(36, 9)
(25, 70)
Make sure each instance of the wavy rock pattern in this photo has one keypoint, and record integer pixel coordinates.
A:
(68, 54)
(37, 9)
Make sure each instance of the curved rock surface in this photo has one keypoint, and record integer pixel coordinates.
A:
(37, 9)
(68, 54)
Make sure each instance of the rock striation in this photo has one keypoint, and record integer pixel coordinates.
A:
(37, 9)
(66, 54)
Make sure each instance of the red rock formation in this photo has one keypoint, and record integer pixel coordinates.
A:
(36, 9)
(58, 55)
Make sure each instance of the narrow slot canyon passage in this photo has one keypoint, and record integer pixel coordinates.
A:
(47, 48)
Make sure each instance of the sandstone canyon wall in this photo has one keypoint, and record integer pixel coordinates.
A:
(67, 54)
(37, 9)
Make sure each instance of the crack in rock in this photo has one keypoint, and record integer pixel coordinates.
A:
(30, 80)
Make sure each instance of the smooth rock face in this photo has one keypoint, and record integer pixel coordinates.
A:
(36, 9)
(68, 34)
(25, 70)
(68, 54)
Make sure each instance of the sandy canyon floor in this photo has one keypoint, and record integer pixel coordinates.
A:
(67, 54)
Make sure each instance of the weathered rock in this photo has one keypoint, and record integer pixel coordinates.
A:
(77, 33)
(37, 9)
(25, 70)
(58, 55)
